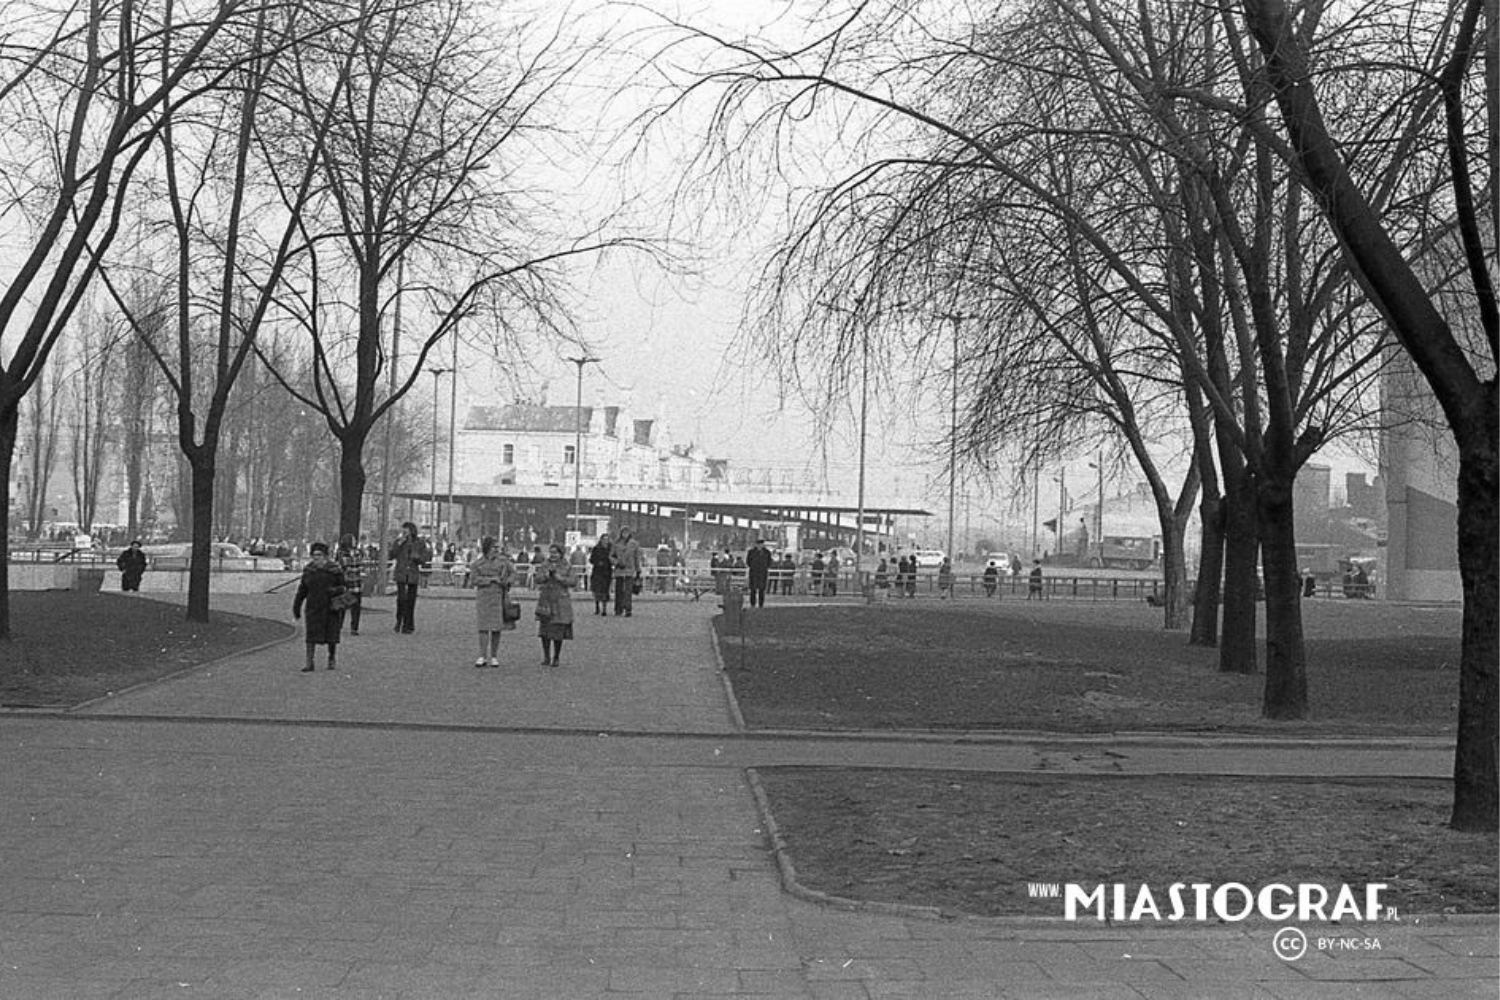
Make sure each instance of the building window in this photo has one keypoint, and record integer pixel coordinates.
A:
(570, 454)
(508, 454)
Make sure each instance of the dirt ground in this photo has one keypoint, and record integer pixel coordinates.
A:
(972, 843)
(68, 647)
(1083, 668)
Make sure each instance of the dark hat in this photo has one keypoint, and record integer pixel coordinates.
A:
(319, 547)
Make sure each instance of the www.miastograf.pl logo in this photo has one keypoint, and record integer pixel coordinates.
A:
(1228, 902)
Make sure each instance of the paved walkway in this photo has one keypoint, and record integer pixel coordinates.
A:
(410, 827)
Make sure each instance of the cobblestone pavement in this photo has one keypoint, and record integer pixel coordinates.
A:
(410, 827)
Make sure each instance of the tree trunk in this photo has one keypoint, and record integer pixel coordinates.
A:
(9, 428)
(1174, 573)
(1286, 662)
(203, 469)
(1474, 761)
(1205, 630)
(1237, 640)
(352, 481)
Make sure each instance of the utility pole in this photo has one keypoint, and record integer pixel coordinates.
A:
(432, 499)
(580, 361)
(452, 433)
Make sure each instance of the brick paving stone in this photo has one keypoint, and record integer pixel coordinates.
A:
(410, 828)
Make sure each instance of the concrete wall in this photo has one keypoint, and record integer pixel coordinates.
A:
(1419, 466)
(175, 581)
(46, 576)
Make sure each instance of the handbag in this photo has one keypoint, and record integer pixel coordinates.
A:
(343, 600)
(635, 587)
(510, 611)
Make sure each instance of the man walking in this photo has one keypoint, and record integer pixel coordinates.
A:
(409, 554)
(758, 565)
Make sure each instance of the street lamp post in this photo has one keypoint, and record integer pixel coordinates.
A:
(432, 499)
(452, 432)
(864, 406)
(1062, 503)
(1099, 512)
(580, 361)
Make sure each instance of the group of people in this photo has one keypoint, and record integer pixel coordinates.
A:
(905, 582)
(615, 565)
(331, 591)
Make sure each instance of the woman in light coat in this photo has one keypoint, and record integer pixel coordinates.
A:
(491, 574)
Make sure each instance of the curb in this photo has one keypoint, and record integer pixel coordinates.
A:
(174, 675)
(793, 887)
(736, 717)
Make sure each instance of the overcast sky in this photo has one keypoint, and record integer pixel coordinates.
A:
(669, 345)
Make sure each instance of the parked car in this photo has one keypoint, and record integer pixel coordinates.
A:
(927, 558)
(1008, 563)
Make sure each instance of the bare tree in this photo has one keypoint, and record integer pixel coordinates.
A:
(91, 405)
(230, 241)
(42, 427)
(1452, 336)
(137, 401)
(424, 198)
(1049, 112)
(80, 103)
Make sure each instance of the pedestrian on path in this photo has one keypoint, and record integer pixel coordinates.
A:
(626, 557)
(321, 582)
(1034, 582)
(132, 566)
(601, 573)
(492, 574)
(409, 553)
(352, 567)
(554, 605)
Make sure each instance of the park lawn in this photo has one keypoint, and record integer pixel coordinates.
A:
(1372, 669)
(970, 842)
(68, 647)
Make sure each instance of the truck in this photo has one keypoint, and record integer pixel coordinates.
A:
(1125, 552)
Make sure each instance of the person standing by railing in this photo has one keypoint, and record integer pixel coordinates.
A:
(758, 572)
(945, 579)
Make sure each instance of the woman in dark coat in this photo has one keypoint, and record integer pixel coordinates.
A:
(601, 572)
(554, 605)
(322, 580)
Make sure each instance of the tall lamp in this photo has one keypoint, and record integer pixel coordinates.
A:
(580, 361)
(432, 499)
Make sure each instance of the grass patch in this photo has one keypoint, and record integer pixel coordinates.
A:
(68, 647)
(971, 842)
(1079, 668)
